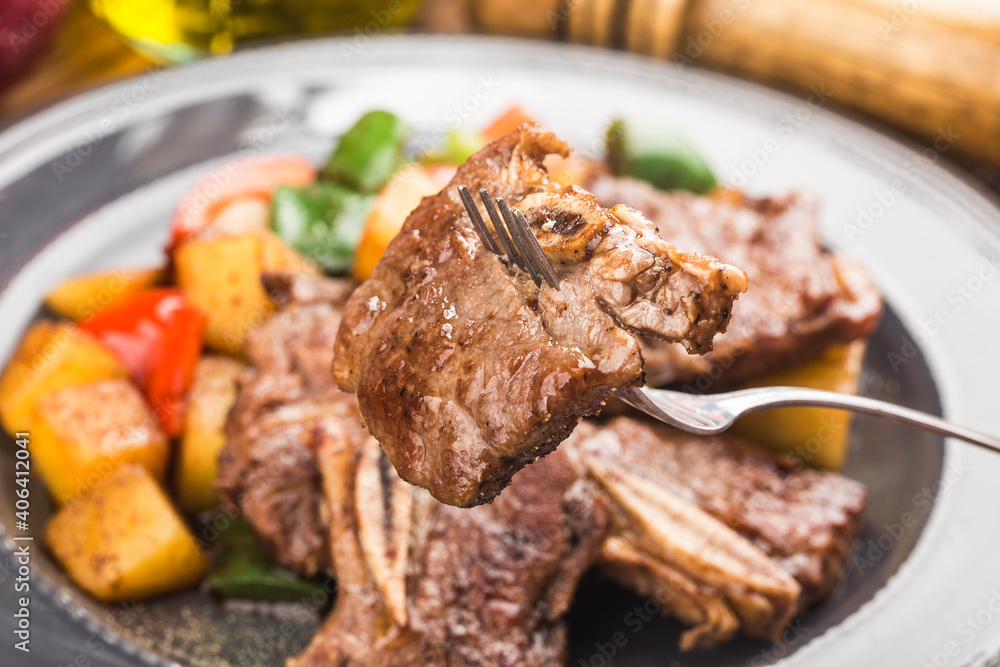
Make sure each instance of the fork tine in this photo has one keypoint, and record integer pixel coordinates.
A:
(517, 234)
(534, 251)
(516, 242)
(477, 221)
(500, 229)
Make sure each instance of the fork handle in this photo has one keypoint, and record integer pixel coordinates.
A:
(765, 398)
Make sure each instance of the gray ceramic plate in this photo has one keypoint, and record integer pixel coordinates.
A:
(91, 183)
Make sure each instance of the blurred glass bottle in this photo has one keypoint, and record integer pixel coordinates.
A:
(181, 30)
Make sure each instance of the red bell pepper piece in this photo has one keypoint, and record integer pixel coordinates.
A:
(158, 338)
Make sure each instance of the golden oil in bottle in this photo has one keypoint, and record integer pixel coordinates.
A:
(180, 30)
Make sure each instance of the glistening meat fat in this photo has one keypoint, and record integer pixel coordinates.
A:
(802, 299)
(466, 371)
(728, 539)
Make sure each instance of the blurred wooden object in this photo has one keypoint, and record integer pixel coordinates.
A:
(448, 17)
(526, 18)
(647, 26)
(653, 26)
(933, 74)
(924, 67)
(921, 66)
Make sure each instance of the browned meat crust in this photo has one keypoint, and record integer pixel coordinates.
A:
(803, 520)
(466, 372)
(486, 586)
(287, 401)
(802, 298)
(724, 537)
(728, 539)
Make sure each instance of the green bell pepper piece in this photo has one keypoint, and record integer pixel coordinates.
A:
(324, 222)
(368, 153)
(664, 161)
(243, 571)
(459, 146)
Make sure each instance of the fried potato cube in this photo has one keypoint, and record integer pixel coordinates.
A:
(221, 277)
(83, 297)
(84, 432)
(124, 540)
(817, 436)
(276, 255)
(210, 398)
(52, 355)
(400, 195)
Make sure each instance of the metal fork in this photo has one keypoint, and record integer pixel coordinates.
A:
(695, 413)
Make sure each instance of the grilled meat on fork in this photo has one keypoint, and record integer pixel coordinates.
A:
(730, 540)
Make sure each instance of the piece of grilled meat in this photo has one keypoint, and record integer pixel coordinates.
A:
(803, 298)
(421, 583)
(287, 400)
(465, 371)
(723, 536)
(728, 539)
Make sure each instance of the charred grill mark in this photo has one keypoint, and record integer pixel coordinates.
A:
(556, 221)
